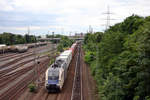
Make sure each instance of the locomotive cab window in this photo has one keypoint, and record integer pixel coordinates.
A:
(53, 75)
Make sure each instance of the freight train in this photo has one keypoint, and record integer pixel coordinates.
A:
(56, 74)
(20, 48)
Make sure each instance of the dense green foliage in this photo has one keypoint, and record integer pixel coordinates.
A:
(11, 39)
(32, 87)
(119, 59)
(64, 43)
(54, 36)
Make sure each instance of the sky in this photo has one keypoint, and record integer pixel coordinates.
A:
(65, 16)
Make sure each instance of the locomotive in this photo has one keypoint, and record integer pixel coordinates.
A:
(56, 74)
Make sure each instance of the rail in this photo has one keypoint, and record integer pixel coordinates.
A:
(77, 84)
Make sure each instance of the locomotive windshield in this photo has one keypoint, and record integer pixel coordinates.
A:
(53, 75)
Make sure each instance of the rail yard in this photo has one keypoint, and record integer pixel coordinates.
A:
(18, 70)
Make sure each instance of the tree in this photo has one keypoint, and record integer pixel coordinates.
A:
(64, 42)
(1, 39)
(12, 39)
(122, 66)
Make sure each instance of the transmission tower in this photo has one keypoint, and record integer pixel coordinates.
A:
(62, 31)
(108, 19)
(90, 29)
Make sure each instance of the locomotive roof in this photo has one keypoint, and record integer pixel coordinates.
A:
(57, 64)
(67, 52)
(62, 57)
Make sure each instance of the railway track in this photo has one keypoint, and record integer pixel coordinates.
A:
(20, 91)
(18, 62)
(10, 93)
(7, 77)
(70, 88)
(8, 72)
(10, 62)
(15, 66)
(7, 54)
(17, 89)
(14, 60)
(13, 55)
(77, 85)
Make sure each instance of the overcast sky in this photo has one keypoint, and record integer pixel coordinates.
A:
(65, 16)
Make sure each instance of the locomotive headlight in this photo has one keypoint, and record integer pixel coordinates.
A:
(58, 84)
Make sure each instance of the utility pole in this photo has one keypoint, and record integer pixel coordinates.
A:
(28, 30)
(53, 40)
(36, 66)
(36, 63)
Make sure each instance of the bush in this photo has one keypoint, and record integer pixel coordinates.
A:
(60, 48)
(89, 57)
(51, 61)
(32, 87)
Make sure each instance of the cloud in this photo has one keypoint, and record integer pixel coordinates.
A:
(65, 15)
(5, 6)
